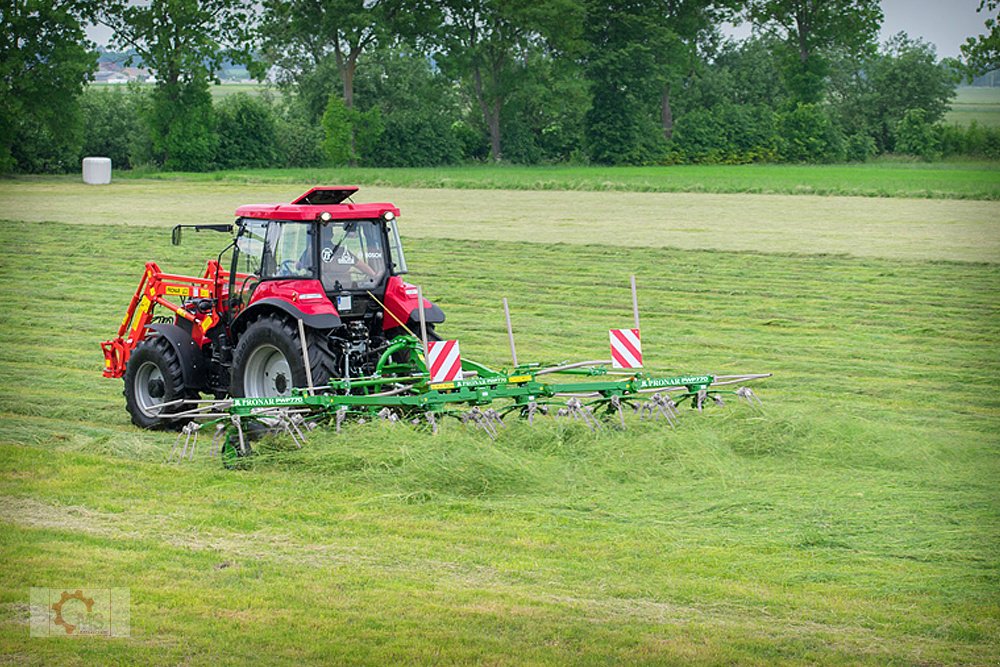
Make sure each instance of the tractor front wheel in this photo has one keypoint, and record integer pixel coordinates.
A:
(268, 359)
(153, 377)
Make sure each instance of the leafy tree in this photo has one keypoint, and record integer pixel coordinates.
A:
(676, 30)
(338, 126)
(44, 62)
(544, 116)
(418, 106)
(651, 50)
(859, 146)
(185, 42)
(809, 28)
(313, 42)
(625, 84)
(486, 42)
(982, 53)
(873, 93)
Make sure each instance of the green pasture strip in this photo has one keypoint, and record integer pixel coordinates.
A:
(852, 522)
(915, 229)
(881, 179)
(980, 104)
(877, 179)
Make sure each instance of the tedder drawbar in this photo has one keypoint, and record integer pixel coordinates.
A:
(309, 321)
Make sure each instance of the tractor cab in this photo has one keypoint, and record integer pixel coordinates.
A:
(320, 248)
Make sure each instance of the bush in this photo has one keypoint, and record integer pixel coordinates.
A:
(39, 149)
(114, 125)
(808, 135)
(698, 135)
(419, 138)
(730, 133)
(299, 143)
(859, 147)
(350, 134)
(247, 135)
(915, 136)
(971, 141)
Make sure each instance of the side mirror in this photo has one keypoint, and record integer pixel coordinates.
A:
(175, 235)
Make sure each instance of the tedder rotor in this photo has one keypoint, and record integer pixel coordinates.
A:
(308, 321)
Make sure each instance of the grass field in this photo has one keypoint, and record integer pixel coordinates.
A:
(218, 91)
(958, 180)
(872, 227)
(975, 104)
(855, 521)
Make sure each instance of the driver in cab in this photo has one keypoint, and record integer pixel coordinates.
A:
(337, 257)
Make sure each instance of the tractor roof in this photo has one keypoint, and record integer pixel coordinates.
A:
(308, 207)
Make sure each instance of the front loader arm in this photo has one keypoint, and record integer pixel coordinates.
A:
(154, 287)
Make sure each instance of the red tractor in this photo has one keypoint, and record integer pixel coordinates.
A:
(320, 272)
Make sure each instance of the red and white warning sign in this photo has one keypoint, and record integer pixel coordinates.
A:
(444, 360)
(626, 349)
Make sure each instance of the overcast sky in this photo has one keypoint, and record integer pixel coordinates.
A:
(944, 23)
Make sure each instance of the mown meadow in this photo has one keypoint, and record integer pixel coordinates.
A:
(854, 520)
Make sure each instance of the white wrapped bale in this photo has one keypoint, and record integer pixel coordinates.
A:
(97, 170)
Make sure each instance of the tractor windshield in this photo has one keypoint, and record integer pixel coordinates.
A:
(352, 255)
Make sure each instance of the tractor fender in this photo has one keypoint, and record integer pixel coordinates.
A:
(193, 367)
(432, 315)
(258, 308)
(402, 305)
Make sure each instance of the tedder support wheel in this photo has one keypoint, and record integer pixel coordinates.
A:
(153, 376)
(268, 359)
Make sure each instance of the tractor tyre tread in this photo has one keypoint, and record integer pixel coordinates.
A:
(158, 350)
(283, 333)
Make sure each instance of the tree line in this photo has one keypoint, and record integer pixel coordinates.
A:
(425, 83)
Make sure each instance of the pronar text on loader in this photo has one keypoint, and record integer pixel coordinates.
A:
(304, 317)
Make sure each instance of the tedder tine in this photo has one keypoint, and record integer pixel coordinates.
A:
(218, 439)
(190, 435)
(576, 409)
(480, 420)
(746, 393)
(290, 422)
(341, 414)
(237, 422)
(662, 404)
(616, 403)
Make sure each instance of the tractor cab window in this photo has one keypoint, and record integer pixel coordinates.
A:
(352, 255)
(288, 251)
(250, 245)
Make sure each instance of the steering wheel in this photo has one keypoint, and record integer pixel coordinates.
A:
(287, 268)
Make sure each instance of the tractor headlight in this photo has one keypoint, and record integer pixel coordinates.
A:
(388, 216)
(325, 216)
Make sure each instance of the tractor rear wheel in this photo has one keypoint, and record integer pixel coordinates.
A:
(153, 377)
(268, 359)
